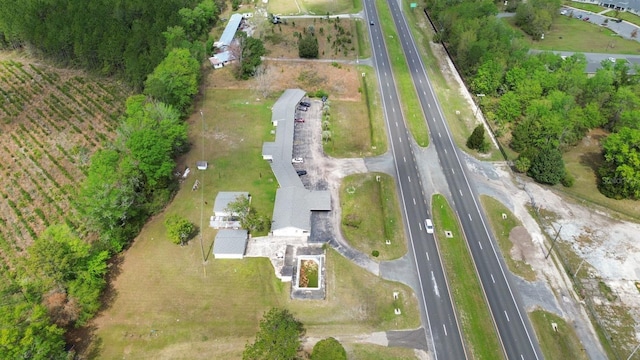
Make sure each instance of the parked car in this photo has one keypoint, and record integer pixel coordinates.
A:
(300, 120)
(618, 20)
(302, 108)
(586, 19)
(297, 160)
(305, 103)
(301, 172)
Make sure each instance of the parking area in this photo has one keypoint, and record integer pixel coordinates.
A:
(307, 131)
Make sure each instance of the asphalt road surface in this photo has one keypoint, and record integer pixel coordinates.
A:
(513, 326)
(444, 336)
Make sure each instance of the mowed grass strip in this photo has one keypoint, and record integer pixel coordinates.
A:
(323, 7)
(588, 7)
(561, 344)
(411, 109)
(357, 128)
(570, 34)
(474, 317)
(627, 16)
(371, 215)
(377, 352)
(501, 230)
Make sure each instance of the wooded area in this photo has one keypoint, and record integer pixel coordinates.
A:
(543, 104)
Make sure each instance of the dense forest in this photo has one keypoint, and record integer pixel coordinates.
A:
(543, 104)
(157, 47)
(113, 37)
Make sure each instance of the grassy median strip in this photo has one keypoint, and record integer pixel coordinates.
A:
(408, 99)
(474, 318)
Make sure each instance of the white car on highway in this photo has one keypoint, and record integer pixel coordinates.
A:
(429, 226)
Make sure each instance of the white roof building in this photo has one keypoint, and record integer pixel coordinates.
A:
(230, 244)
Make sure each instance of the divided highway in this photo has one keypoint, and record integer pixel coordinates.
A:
(444, 335)
(513, 326)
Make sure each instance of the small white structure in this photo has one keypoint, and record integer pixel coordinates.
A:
(230, 244)
(202, 165)
(222, 59)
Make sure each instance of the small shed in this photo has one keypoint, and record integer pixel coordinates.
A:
(230, 244)
(202, 165)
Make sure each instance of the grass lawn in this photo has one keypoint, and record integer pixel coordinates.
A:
(371, 215)
(456, 110)
(317, 7)
(357, 128)
(411, 109)
(501, 229)
(376, 352)
(569, 34)
(474, 317)
(582, 161)
(561, 344)
(588, 7)
(627, 16)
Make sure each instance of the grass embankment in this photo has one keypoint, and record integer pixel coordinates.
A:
(376, 352)
(571, 34)
(167, 303)
(627, 16)
(371, 215)
(411, 109)
(501, 229)
(357, 128)
(560, 344)
(474, 317)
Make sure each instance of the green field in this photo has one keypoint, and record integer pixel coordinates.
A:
(632, 18)
(556, 345)
(584, 6)
(317, 7)
(411, 109)
(371, 215)
(474, 317)
(570, 34)
(165, 302)
(501, 229)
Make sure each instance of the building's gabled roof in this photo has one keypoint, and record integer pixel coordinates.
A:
(230, 30)
(224, 56)
(230, 242)
(224, 198)
(294, 205)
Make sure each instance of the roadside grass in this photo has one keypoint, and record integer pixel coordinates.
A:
(357, 128)
(459, 115)
(323, 7)
(561, 344)
(371, 215)
(364, 47)
(281, 40)
(314, 7)
(584, 6)
(501, 229)
(627, 16)
(582, 161)
(377, 352)
(411, 109)
(568, 34)
(474, 317)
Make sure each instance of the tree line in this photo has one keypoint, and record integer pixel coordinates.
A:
(543, 103)
(111, 37)
(58, 282)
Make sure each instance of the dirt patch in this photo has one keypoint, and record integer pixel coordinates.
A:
(522, 244)
(341, 81)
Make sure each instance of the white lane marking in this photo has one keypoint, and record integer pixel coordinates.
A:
(435, 286)
(420, 81)
(426, 253)
(429, 106)
(414, 201)
(453, 172)
(405, 159)
(424, 93)
(492, 279)
(470, 217)
(481, 248)
(445, 151)
(439, 135)
(507, 315)
(420, 224)
(460, 190)
(445, 329)
(409, 177)
(396, 124)
(400, 139)
(393, 109)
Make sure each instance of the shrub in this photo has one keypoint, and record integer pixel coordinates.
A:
(568, 180)
(375, 253)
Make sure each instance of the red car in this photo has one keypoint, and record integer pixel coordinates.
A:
(299, 120)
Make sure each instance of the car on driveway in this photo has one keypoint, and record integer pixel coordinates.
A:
(297, 160)
(305, 103)
(299, 119)
(301, 172)
(302, 108)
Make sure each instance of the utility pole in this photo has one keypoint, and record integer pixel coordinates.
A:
(553, 243)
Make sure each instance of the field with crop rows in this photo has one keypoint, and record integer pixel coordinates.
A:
(51, 121)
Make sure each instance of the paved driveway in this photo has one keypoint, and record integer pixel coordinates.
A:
(624, 29)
